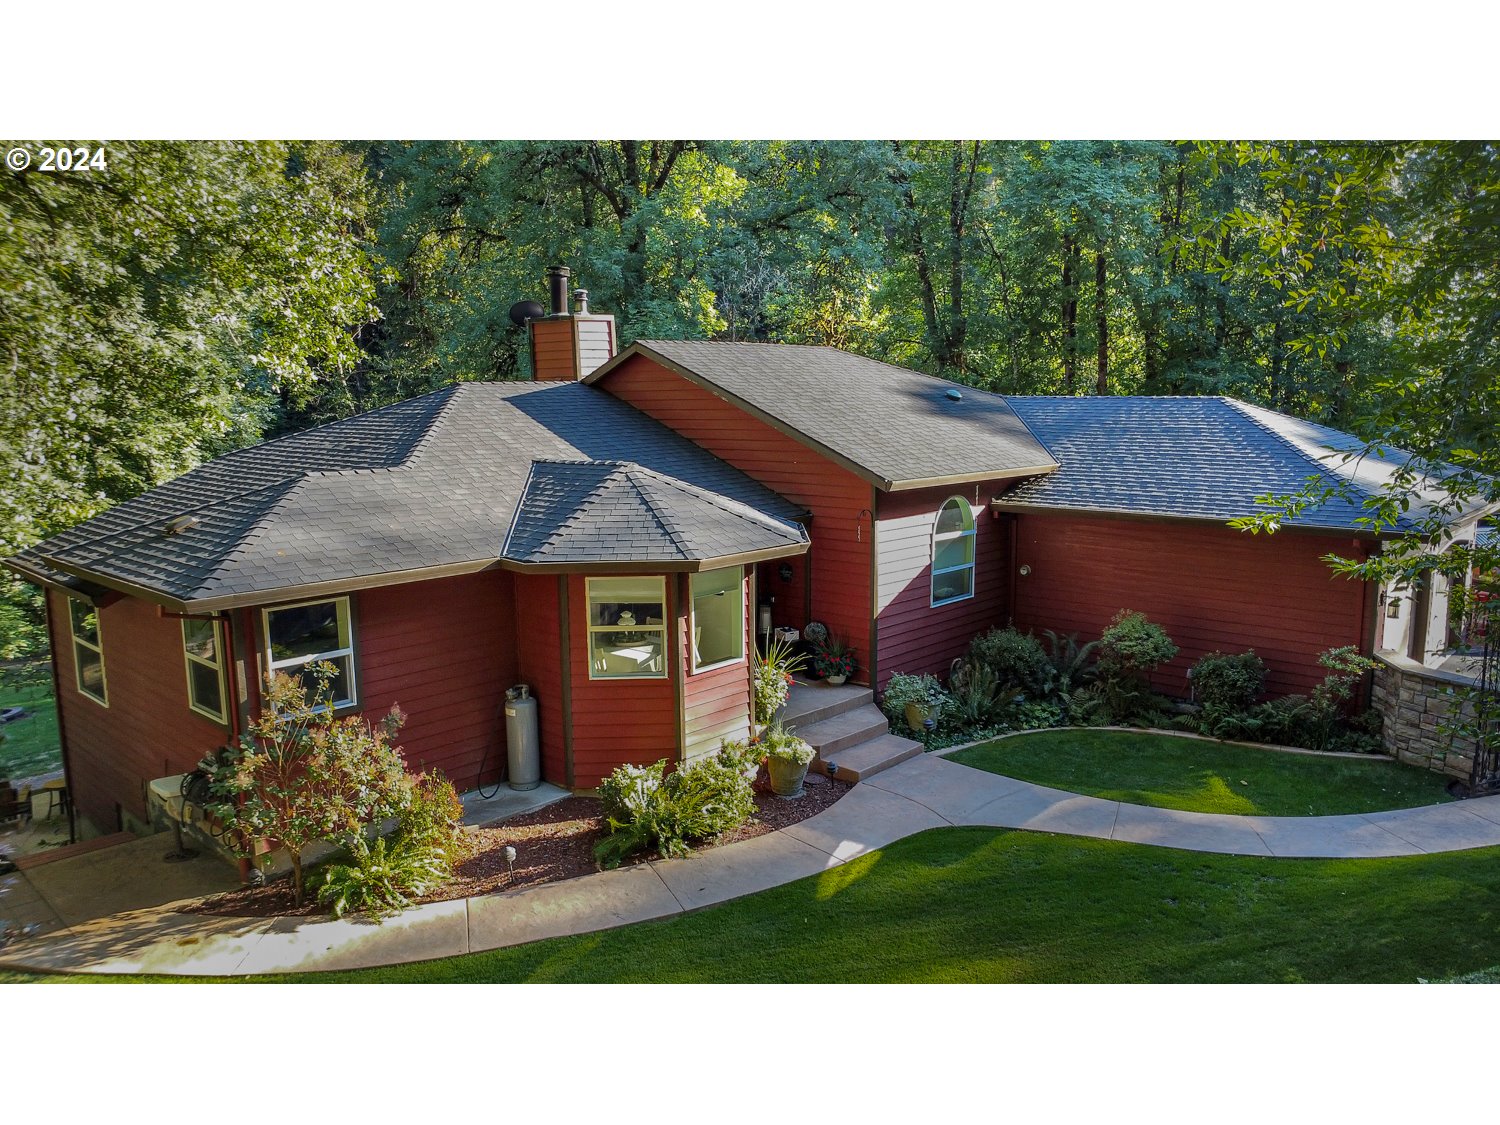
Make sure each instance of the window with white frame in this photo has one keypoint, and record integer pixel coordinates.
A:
(718, 622)
(301, 634)
(627, 628)
(203, 653)
(88, 650)
(953, 552)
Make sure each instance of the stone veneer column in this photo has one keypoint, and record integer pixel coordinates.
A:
(1412, 701)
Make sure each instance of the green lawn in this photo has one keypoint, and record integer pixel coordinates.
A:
(31, 744)
(1200, 776)
(992, 905)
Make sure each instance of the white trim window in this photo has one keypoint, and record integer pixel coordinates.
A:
(88, 650)
(203, 653)
(299, 634)
(627, 628)
(718, 618)
(953, 552)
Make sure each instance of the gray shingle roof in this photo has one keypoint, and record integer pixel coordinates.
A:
(895, 427)
(603, 511)
(431, 482)
(1193, 457)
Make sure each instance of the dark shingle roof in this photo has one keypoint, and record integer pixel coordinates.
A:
(1193, 457)
(431, 482)
(602, 511)
(895, 427)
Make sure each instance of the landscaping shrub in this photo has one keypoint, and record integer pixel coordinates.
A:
(778, 742)
(382, 878)
(302, 775)
(648, 808)
(977, 695)
(1226, 688)
(1070, 662)
(1017, 659)
(1129, 651)
(434, 818)
(773, 680)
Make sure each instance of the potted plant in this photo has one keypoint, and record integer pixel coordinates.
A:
(834, 660)
(773, 680)
(917, 699)
(787, 759)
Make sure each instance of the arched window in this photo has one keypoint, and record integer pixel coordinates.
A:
(953, 552)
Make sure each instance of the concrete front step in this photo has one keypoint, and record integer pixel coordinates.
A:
(865, 759)
(829, 736)
(808, 703)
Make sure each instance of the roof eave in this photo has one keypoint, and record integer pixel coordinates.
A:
(970, 478)
(674, 566)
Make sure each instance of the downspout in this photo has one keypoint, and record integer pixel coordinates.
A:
(62, 726)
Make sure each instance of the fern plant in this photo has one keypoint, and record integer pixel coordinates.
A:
(382, 878)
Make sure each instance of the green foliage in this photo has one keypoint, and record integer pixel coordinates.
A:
(773, 679)
(834, 657)
(434, 818)
(978, 695)
(303, 775)
(923, 690)
(1226, 688)
(382, 878)
(778, 742)
(1017, 660)
(1133, 646)
(649, 809)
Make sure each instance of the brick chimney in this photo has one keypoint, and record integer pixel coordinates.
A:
(567, 345)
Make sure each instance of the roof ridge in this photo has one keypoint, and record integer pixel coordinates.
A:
(439, 420)
(577, 514)
(668, 525)
(718, 499)
(1322, 469)
(254, 532)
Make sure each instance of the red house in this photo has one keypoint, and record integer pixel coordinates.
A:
(605, 533)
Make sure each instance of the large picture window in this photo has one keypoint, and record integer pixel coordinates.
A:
(203, 652)
(718, 618)
(298, 635)
(627, 628)
(88, 650)
(953, 552)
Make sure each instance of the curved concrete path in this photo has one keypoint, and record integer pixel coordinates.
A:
(926, 792)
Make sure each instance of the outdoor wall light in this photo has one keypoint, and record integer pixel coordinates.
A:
(1025, 570)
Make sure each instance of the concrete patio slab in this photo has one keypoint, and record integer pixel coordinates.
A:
(16, 890)
(1441, 828)
(301, 945)
(127, 877)
(480, 810)
(593, 902)
(1198, 832)
(710, 877)
(1037, 808)
(865, 818)
(947, 788)
(144, 941)
(1327, 837)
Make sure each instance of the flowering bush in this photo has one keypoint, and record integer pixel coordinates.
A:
(773, 680)
(646, 807)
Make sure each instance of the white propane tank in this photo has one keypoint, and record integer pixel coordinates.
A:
(523, 748)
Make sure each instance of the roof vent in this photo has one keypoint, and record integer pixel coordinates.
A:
(955, 394)
(180, 524)
(580, 302)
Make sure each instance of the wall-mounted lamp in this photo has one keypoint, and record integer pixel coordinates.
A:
(784, 572)
(1025, 570)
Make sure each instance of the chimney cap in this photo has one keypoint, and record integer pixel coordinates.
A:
(581, 302)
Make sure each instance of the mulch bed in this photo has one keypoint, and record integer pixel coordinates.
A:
(552, 843)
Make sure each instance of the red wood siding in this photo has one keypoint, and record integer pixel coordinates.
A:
(715, 703)
(914, 635)
(445, 652)
(841, 551)
(552, 357)
(615, 720)
(147, 730)
(1210, 588)
(539, 656)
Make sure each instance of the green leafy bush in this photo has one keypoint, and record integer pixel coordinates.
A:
(648, 808)
(1035, 714)
(382, 878)
(1070, 662)
(1017, 659)
(1227, 684)
(978, 696)
(1129, 651)
(434, 818)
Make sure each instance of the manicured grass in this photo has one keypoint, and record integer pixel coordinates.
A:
(990, 905)
(31, 744)
(1200, 776)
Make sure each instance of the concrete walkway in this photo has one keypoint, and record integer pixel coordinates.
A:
(926, 792)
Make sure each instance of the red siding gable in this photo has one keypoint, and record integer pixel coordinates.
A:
(841, 504)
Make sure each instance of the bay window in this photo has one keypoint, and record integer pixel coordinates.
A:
(718, 622)
(627, 628)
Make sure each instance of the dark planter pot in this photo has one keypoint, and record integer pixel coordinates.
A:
(786, 777)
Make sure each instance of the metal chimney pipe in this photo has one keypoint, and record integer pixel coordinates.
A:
(581, 302)
(557, 286)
